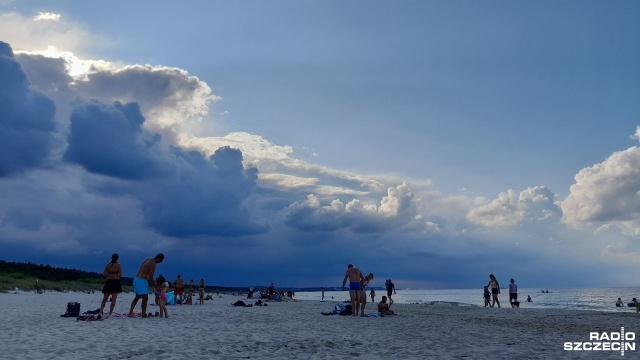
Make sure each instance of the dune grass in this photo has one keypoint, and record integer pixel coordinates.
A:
(8, 282)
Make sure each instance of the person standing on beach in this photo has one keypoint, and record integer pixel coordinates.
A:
(355, 278)
(163, 286)
(272, 290)
(513, 292)
(373, 295)
(112, 272)
(322, 289)
(495, 289)
(363, 292)
(142, 281)
(201, 291)
(391, 289)
(179, 289)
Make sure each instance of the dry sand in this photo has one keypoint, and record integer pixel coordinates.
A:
(31, 328)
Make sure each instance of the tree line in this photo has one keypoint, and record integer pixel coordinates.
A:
(48, 272)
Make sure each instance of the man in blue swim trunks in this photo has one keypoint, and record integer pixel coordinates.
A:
(142, 281)
(355, 278)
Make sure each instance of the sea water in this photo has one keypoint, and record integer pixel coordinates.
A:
(596, 299)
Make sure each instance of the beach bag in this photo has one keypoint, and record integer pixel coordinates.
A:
(73, 310)
(347, 310)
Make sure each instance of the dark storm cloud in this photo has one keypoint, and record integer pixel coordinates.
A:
(46, 74)
(109, 140)
(26, 118)
(202, 196)
(181, 193)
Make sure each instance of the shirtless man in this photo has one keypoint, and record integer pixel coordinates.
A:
(355, 277)
(142, 281)
(179, 288)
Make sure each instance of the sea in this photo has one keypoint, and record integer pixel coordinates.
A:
(589, 299)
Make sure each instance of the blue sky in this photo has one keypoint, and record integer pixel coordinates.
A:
(255, 142)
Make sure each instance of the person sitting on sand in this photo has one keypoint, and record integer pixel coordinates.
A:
(383, 308)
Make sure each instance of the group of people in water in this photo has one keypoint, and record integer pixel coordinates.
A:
(634, 304)
(358, 292)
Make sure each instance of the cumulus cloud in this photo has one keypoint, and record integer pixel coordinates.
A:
(398, 210)
(203, 196)
(109, 140)
(26, 118)
(169, 97)
(512, 209)
(184, 194)
(606, 192)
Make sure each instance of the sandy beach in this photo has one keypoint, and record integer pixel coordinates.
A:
(32, 328)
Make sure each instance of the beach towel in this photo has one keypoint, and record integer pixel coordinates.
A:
(89, 317)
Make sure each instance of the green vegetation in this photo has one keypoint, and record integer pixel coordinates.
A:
(33, 277)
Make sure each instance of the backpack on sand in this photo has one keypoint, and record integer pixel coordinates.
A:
(73, 310)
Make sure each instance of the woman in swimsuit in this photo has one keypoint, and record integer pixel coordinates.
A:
(112, 272)
(201, 291)
(363, 292)
(495, 289)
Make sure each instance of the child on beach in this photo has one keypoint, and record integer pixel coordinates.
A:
(487, 297)
(162, 297)
(383, 308)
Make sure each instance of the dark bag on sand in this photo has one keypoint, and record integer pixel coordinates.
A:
(347, 310)
(241, 303)
(73, 310)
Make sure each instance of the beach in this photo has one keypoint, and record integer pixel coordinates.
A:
(32, 328)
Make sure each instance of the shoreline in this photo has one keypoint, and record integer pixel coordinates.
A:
(296, 330)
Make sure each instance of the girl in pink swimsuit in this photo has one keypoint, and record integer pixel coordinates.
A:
(162, 298)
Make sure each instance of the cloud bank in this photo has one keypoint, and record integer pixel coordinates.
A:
(95, 152)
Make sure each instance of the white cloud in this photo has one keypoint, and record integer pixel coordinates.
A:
(636, 135)
(511, 209)
(47, 16)
(76, 67)
(606, 192)
(39, 32)
(397, 211)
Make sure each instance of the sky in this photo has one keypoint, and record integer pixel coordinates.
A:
(258, 142)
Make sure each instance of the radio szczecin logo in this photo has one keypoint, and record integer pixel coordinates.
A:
(606, 341)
